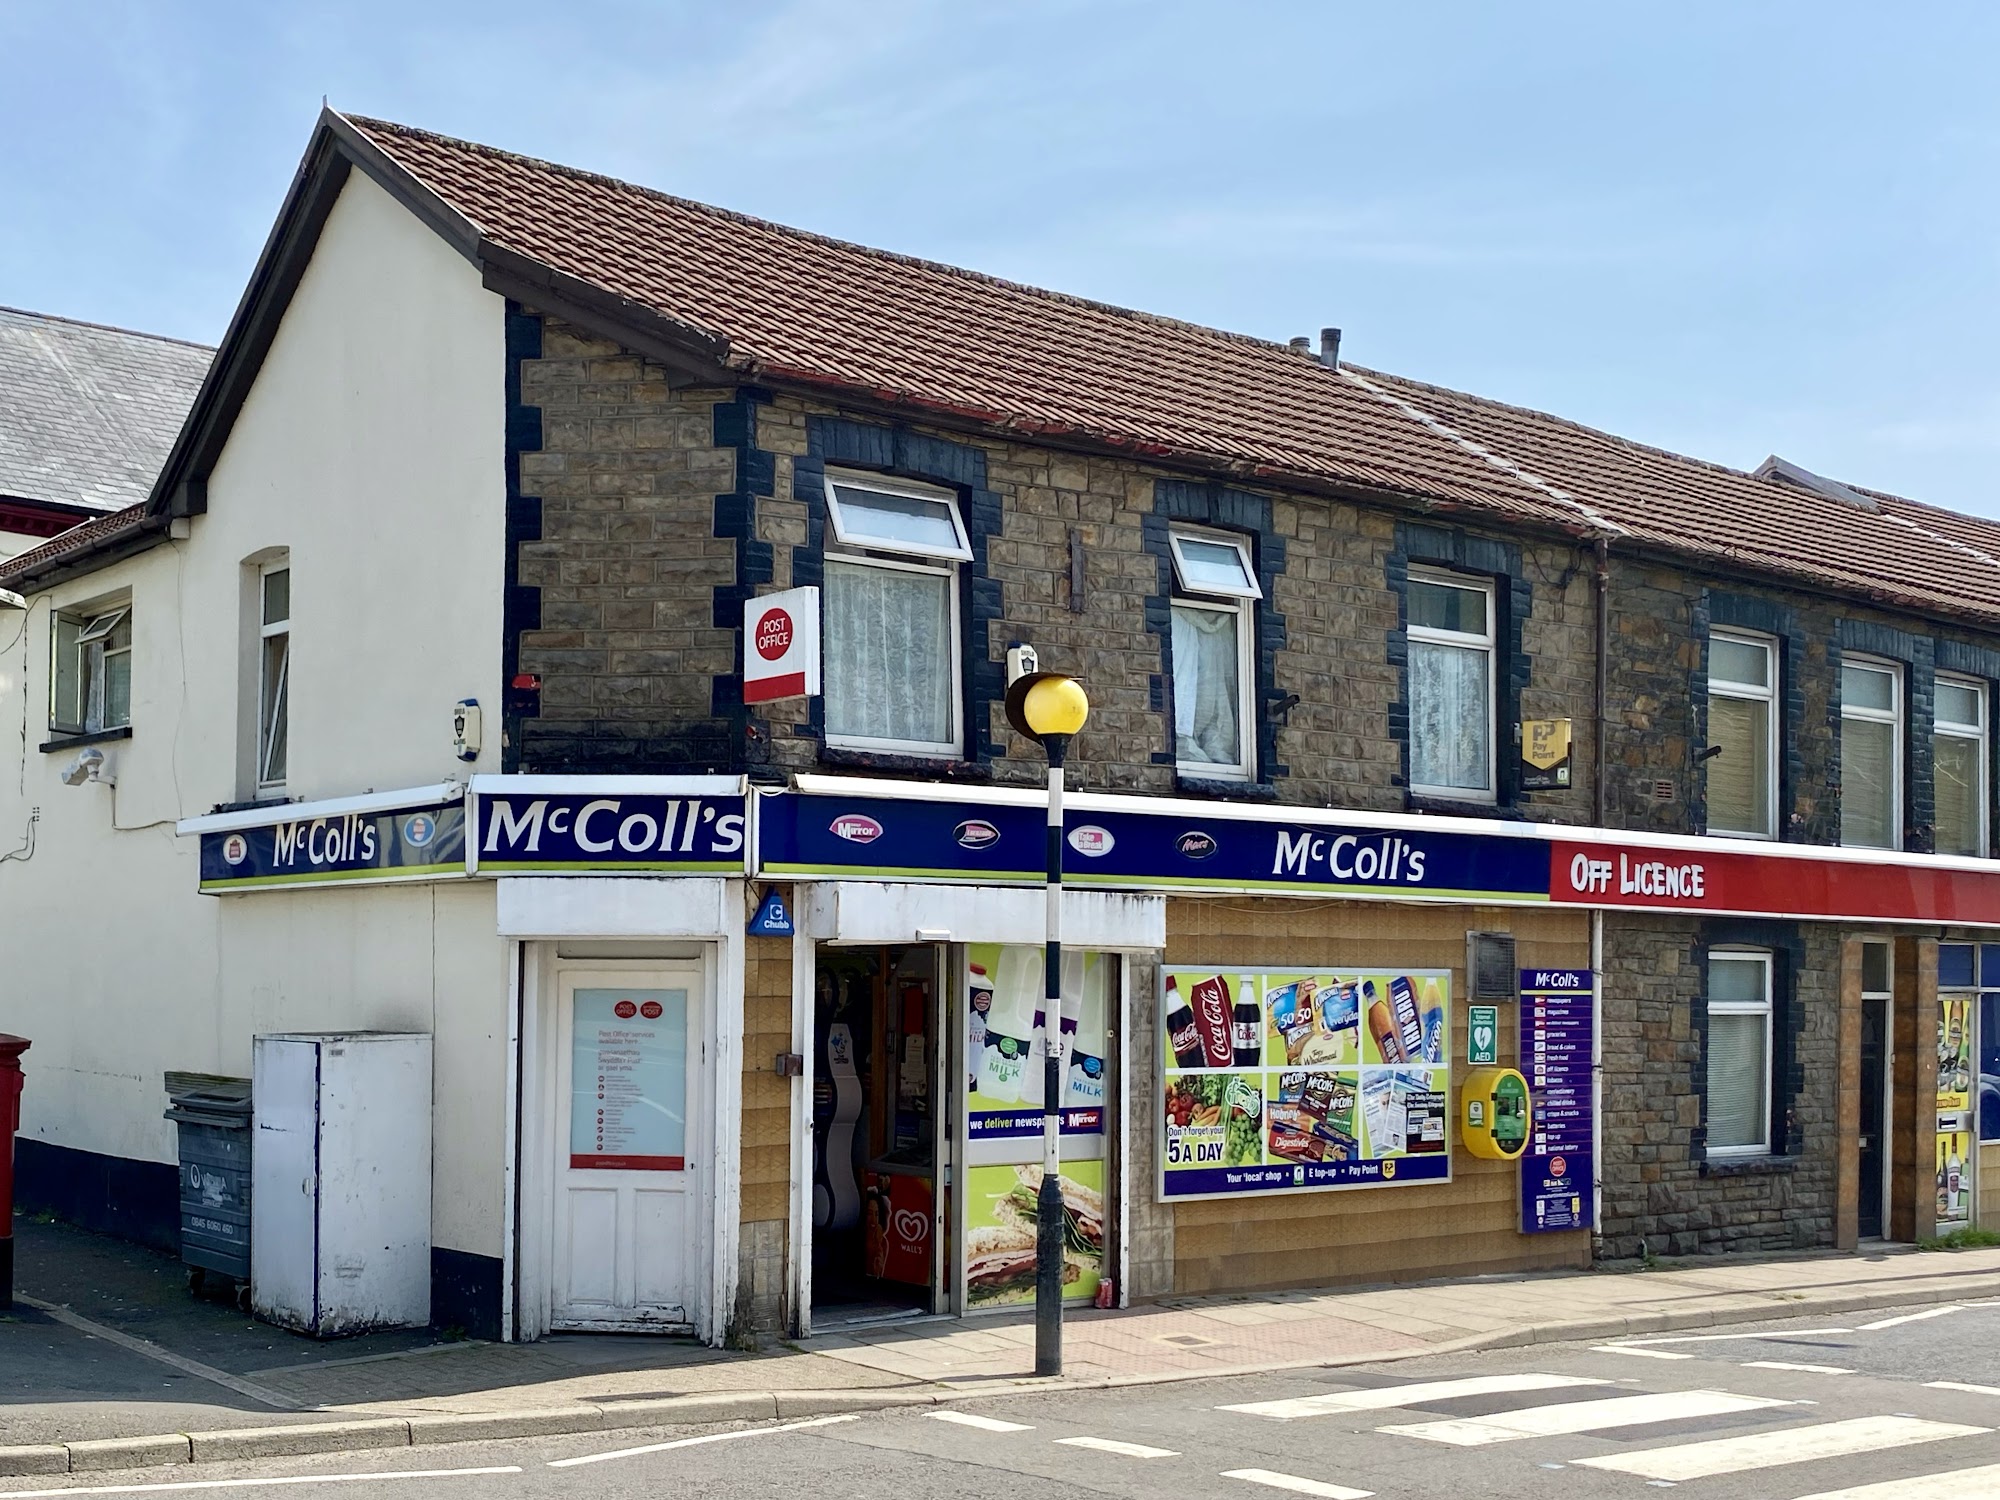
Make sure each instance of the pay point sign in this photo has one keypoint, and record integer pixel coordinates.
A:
(781, 646)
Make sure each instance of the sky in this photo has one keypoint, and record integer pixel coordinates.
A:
(1728, 229)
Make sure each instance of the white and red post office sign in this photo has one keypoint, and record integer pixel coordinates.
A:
(781, 646)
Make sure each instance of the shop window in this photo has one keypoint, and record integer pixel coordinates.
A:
(1989, 1066)
(90, 674)
(1958, 756)
(1739, 1053)
(1871, 760)
(1450, 628)
(891, 673)
(1742, 765)
(274, 675)
(1214, 616)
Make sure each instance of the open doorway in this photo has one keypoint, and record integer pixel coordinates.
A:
(880, 1108)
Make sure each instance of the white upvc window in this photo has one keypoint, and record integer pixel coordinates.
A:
(1871, 753)
(1449, 618)
(1739, 1053)
(891, 649)
(1958, 761)
(1742, 764)
(90, 670)
(1214, 663)
(274, 614)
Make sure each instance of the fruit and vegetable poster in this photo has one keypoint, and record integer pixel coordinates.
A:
(1006, 1041)
(1001, 1203)
(1278, 1081)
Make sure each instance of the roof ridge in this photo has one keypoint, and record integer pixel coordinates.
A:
(1045, 294)
(137, 333)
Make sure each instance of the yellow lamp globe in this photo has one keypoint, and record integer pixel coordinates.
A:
(1055, 705)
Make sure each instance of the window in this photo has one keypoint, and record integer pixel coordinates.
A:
(274, 597)
(1450, 620)
(1742, 714)
(1214, 671)
(90, 670)
(1958, 756)
(1739, 1053)
(1871, 758)
(891, 598)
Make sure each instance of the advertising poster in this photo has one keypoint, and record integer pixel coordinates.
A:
(1558, 1167)
(1954, 1054)
(1287, 1080)
(1005, 1046)
(1001, 1224)
(628, 1081)
(1954, 1190)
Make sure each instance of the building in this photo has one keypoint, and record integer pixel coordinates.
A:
(1403, 704)
(86, 416)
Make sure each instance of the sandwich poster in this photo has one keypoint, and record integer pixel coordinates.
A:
(1278, 1081)
(1001, 1204)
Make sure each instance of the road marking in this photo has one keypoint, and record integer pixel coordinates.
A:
(693, 1442)
(1582, 1416)
(1955, 1485)
(1123, 1450)
(1955, 1385)
(1643, 1353)
(1717, 1338)
(973, 1419)
(237, 1484)
(1419, 1393)
(166, 1357)
(1769, 1450)
(1779, 1364)
(1933, 1312)
(1297, 1485)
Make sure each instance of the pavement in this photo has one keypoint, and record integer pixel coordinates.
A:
(107, 1362)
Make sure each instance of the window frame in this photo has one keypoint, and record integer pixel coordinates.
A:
(1767, 1007)
(1430, 635)
(1747, 692)
(266, 718)
(89, 627)
(1897, 719)
(853, 537)
(949, 749)
(1982, 837)
(1250, 588)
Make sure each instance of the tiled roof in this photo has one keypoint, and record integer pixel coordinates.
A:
(97, 532)
(88, 413)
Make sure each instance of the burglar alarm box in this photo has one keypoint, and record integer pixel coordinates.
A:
(1496, 1113)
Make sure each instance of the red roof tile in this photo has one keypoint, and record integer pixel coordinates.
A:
(91, 534)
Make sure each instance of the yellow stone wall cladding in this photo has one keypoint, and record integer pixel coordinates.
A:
(767, 1132)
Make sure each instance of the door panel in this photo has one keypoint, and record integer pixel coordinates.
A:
(1873, 1123)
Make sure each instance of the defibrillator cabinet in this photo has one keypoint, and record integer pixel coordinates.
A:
(1496, 1113)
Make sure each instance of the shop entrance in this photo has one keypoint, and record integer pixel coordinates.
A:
(1874, 1120)
(879, 1119)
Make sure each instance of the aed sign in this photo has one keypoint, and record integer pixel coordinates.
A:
(781, 646)
(1482, 1034)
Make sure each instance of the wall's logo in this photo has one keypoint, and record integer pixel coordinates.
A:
(1194, 844)
(911, 1227)
(856, 828)
(419, 830)
(1091, 840)
(625, 1010)
(652, 1010)
(235, 849)
(975, 833)
(774, 635)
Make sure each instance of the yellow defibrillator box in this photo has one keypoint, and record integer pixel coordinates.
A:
(1496, 1113)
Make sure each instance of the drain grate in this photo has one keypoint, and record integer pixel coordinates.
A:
(1184, 1340)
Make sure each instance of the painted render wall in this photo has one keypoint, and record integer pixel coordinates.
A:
(371, 448)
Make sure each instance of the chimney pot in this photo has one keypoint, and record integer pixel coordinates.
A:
(1329, 348)
(1301, 345)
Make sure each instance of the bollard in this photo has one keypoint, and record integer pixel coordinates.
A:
(11, 1048)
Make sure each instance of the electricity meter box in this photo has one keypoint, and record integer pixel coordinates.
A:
(341, 1176)
(1496, 1113)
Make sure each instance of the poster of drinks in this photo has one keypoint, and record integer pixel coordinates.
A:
(1006, 1041)
(1287, 1081)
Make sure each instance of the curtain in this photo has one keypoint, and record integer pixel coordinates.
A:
(1867, 783)
(1737, 1069)
(1451, 718)
(1957, 821)
(1208, 690)
(1739, 779)
(888, 660)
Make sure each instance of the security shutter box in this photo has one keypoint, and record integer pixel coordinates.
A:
(1490, 966)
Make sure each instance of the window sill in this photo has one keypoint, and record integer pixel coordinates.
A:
(1224, 790)
(888, 760)
(1747, 1166)
(94, 737)
(1449, 807)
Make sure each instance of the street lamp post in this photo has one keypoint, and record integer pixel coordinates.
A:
(1050, 708)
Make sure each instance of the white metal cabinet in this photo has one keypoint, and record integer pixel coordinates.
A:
(340, 1236)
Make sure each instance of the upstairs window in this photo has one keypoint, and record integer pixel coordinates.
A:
(1958, 756)
(1739, 1053)
(891, 652)
(1214, 606)
(1871, 754)
(274, 598)
(1742, 766)
(1450, 628)
(90, 677)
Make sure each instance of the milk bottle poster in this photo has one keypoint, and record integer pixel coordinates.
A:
(1287, 1080)
(1005, 1051)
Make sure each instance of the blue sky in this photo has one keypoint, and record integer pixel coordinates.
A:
(1728, 229)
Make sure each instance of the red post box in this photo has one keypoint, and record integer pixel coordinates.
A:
(11, 1048)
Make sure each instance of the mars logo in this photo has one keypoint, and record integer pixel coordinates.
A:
(651, 1010)
(235, 849)
(1195, 844)
(625, 1010)
(911, 1227)
(774, 635)
(975, 833)
(856, 828)
(1091, 840)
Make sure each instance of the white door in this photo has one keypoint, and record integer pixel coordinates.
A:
(628, 1148)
